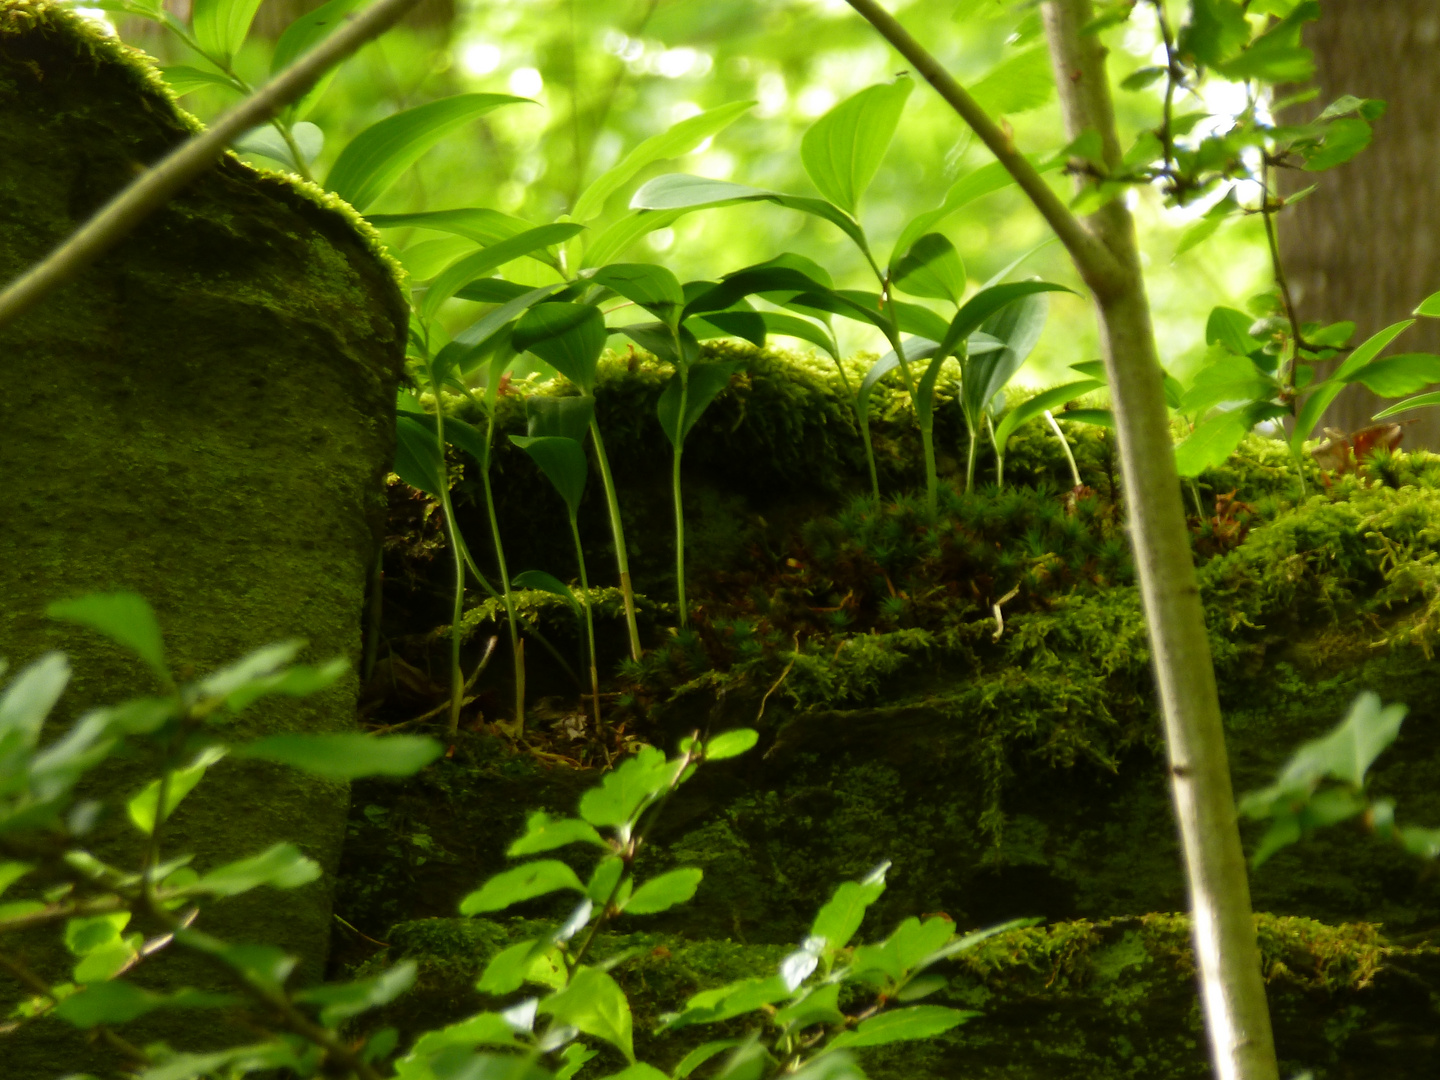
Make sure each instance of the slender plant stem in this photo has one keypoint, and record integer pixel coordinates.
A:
(517, 648)
(158, 184)
(589, 619)
(683, 375)
(457, 549)
(1105, 251)
(869, 454)
(999, 453)
(970, 459)
(617, 532)
(1065, 446)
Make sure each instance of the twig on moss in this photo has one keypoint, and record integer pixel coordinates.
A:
(157, 185)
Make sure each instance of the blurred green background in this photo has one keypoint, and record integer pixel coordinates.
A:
(605, 76)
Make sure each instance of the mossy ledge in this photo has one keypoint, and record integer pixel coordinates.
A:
(1112, 999)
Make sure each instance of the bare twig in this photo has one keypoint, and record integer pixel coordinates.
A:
(148, 192)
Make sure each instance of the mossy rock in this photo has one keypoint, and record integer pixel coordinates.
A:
(1111, 1000)
(205, 417)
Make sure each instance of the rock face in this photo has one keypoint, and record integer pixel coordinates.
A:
(205, 417)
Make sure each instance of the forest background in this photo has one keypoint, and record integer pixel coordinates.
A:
(606, 76)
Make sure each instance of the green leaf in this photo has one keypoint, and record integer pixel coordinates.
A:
(1401, 374)
(1017, 326)
(1422, 842)
(377, 157)
(281, 867)
(26, 703)
(145, 807)
(562, 461)
(679, 192)
(898, 1025)
(1430, 306)
(776, 280)
(1208, 225)
(417, 454)
(109, 1002)
(727, 1002)
(544, 833)
(1099, 417)
(267, 142)
(341, 1001)
(484, 227)
(623, 791)
(86, 934)
(220, 26)
(1217, 31)
(664, 892)
(1229, 378)
(1019, 84)
(820, 1006)
(1419, 402)
(184, 79)
(615, 240)
(11, 872)
(1320, 399)
(124, 617)
(986, 303)
(654, 288)
(932, 268)
(842, 150)
(679, 140)
(507, 970)
(347, 756)
(567, 417)
(841, 916)
(1343, 140)
(777, 322)
(1231, 328)
(1212, 442)
(485, 261)
(967, 189)
(484, 335)
(309, 30)
(597, 1006)
(703, 383)
(237, 1061)
(569, 337)
(915, 348)
(701, 1054)
(1046, 400)
(730, 744)
(519, 884)
(540, 581)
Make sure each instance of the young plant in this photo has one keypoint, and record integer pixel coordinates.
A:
(841, 153)
(798, 1026)
(1039, 405)
(556, 443)
(114, 919)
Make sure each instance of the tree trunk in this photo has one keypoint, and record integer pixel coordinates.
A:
(1366, 245)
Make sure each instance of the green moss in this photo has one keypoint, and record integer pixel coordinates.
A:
(1109, 999)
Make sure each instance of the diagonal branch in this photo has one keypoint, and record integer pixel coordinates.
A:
(1101, 270)
(157, 185)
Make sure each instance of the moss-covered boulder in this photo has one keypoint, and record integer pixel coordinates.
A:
(1107, 1000)
(204, 417)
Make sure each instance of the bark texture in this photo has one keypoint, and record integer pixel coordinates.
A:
(1366, 245)
(204, 417)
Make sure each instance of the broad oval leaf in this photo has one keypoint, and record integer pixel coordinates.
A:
(377, 157)
(417, 456)
(566, 417)
(1397, 375)
(931, 268)
(664, 892)
(842, 150)
(1211, 442)
(220, 26)
(625, 790)
(28, 699)
(898, 1025)
(730, 744)
(506, 972)
(568, 337)
(184, 79)
(123, 617)
(519, 884)
(111, 1002)
(144, 808)
(595, 1004)
(281, 867)
(544, 833)
(347, 756)
(562, 461)
(679, 139)
(841, 916)
(652, 287)
(702, 382)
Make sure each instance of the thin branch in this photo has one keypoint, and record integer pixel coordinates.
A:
(157, 185)
(1102, 271)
